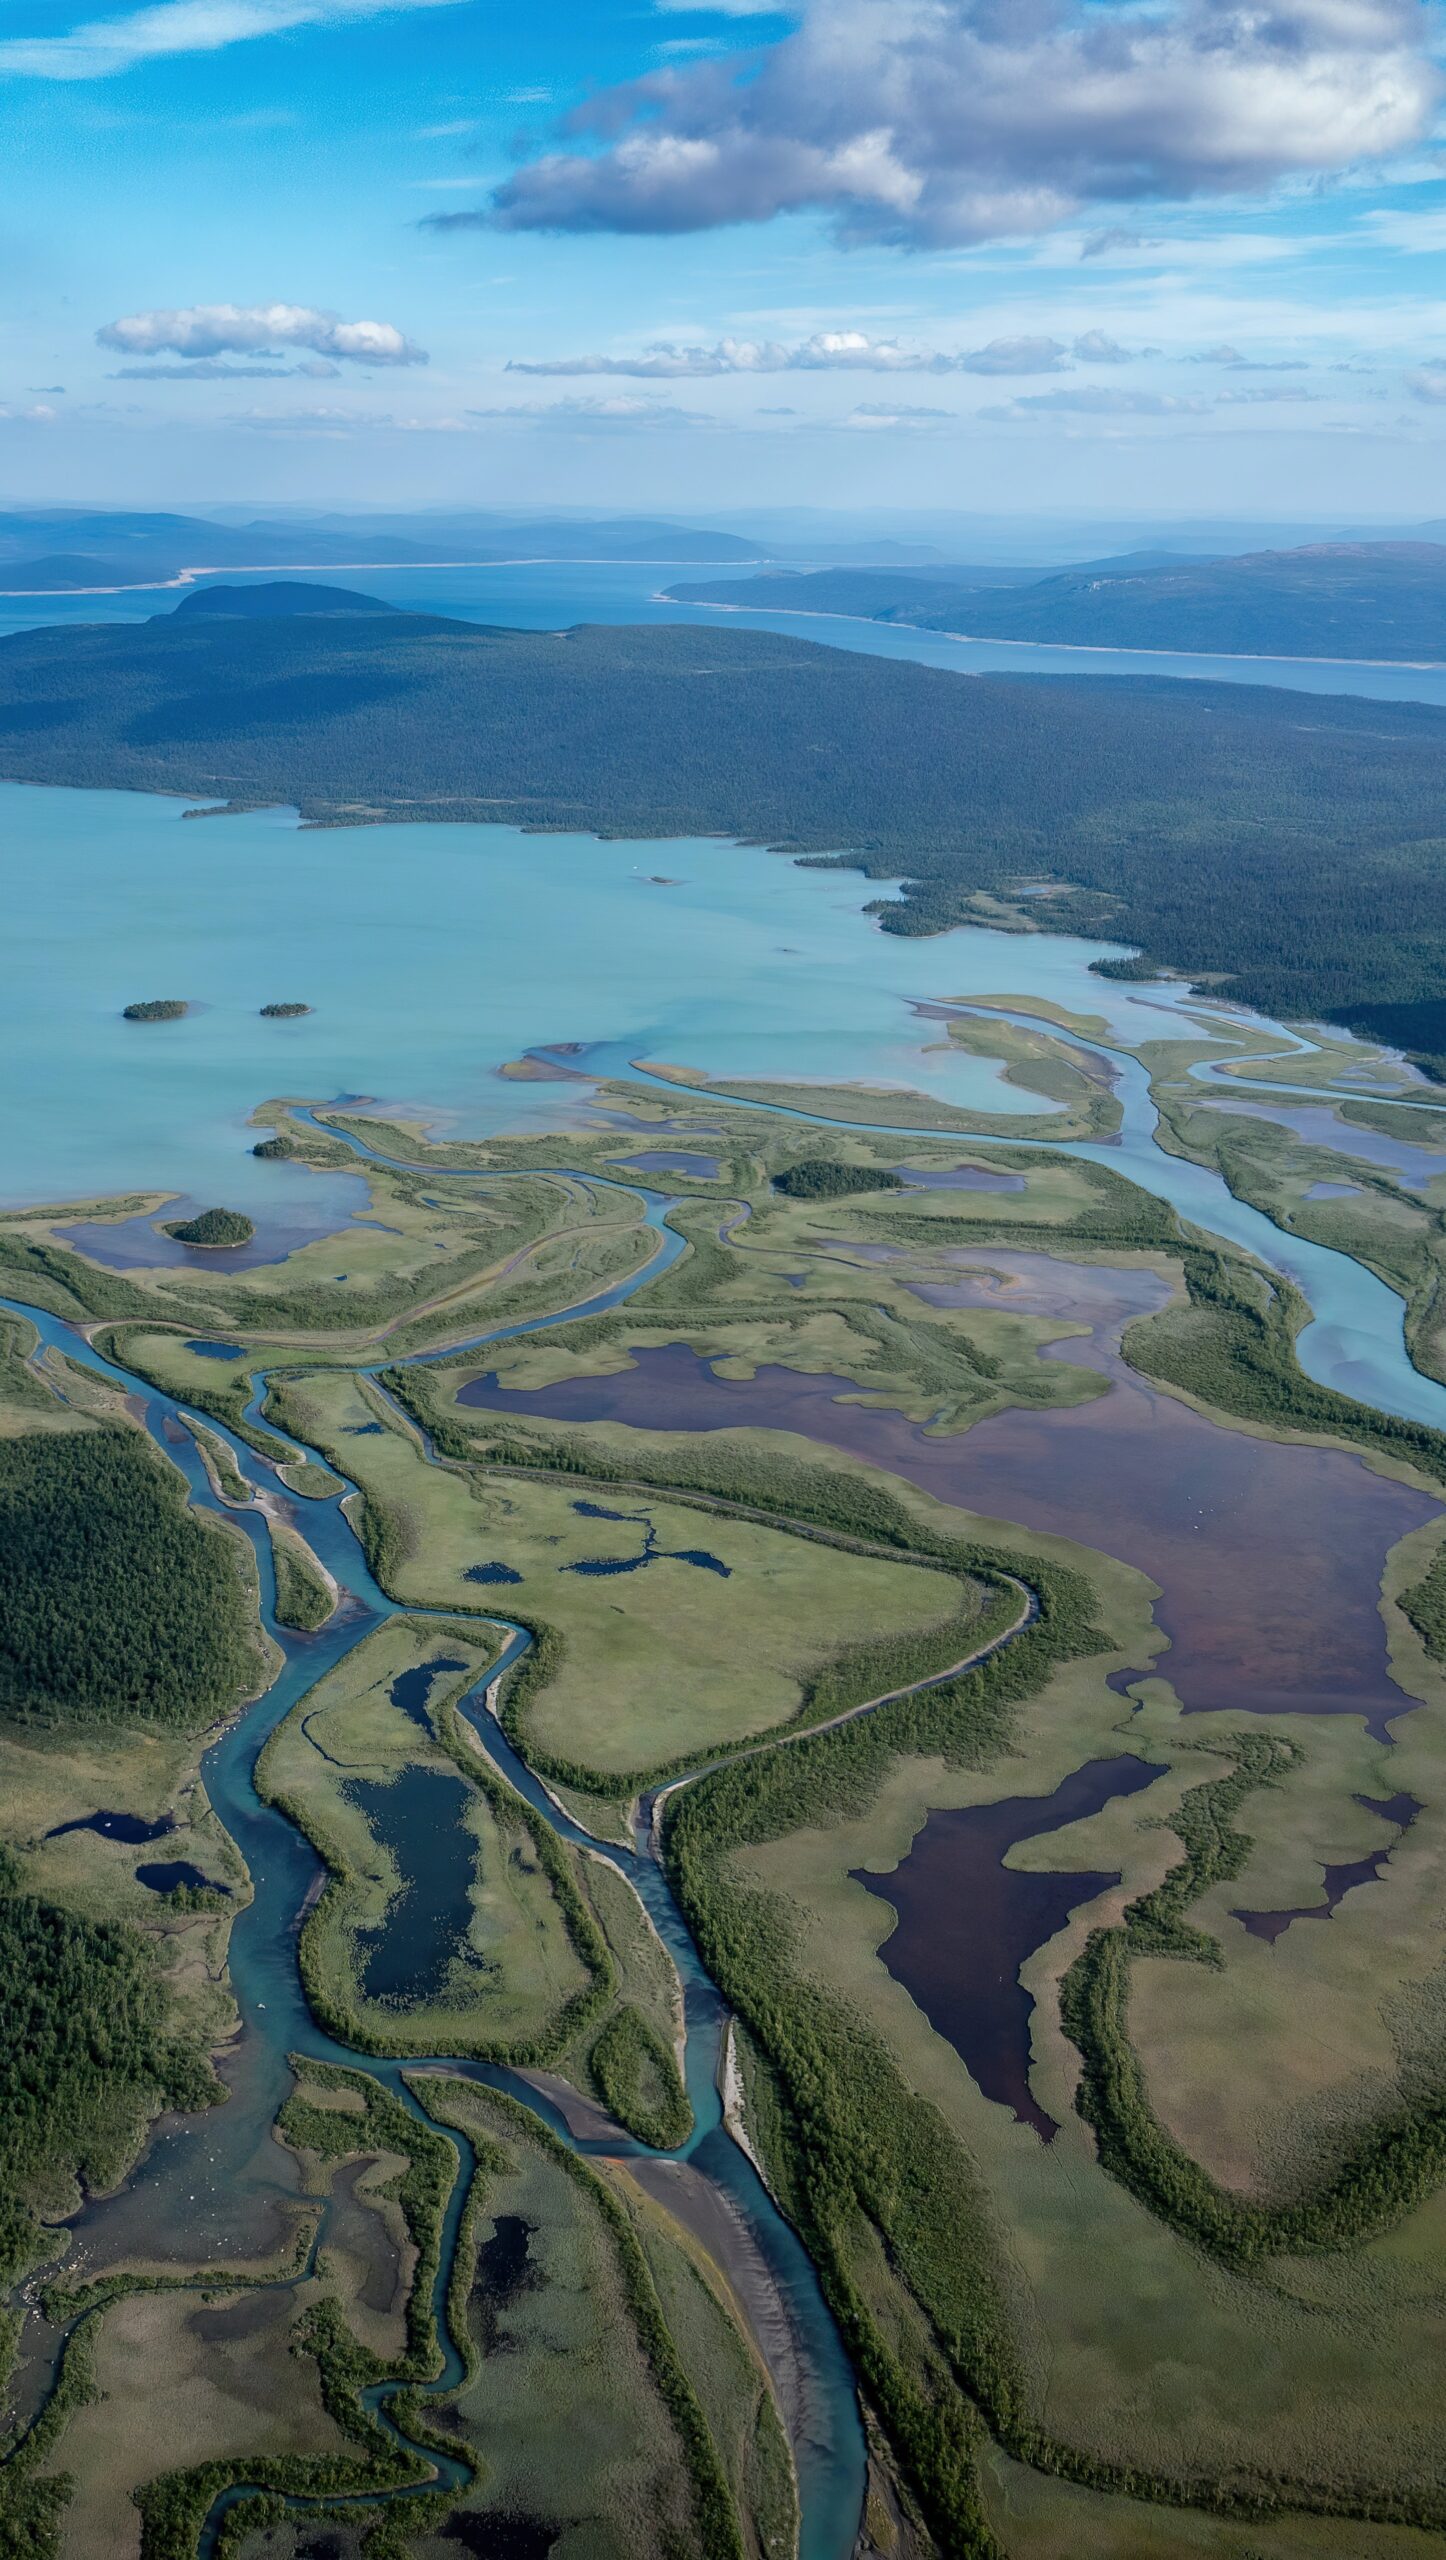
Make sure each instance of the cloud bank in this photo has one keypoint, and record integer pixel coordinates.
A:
(834, 351)
(930, 123)
(211, 329)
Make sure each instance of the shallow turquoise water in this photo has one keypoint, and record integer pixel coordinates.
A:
(431, 954)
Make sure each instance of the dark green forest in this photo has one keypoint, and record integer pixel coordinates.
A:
(85, 2060)
(1326, 600)
(1293, 844)
(822, 1178)
(115, 1603)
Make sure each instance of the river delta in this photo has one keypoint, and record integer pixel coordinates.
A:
(758, 1953)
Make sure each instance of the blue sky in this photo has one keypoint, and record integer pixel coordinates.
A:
(1171, 257)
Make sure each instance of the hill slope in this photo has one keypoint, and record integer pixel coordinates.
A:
(1293, 843)
(1330, 600)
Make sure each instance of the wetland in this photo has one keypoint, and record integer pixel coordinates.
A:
(779, 1631)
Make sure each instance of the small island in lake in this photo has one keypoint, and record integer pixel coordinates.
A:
(820, 1178)
(159, 1009)
(213, 1227)
(283, 1012)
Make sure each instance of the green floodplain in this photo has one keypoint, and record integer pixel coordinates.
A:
(834, 1549)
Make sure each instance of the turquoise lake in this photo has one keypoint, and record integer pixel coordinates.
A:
(431, 954)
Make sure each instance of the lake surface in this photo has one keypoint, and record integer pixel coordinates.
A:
(547, 595)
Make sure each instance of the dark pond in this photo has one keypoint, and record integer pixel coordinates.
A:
(313, 1205)
(1268, 1556)
(166, 1874)
(411, 1689)
(661, 1160)
(419, 1818)
(652, 1553)
(967, 1922)
(491, 1573)
(216, 1350)
(1339, 1880)
(130, 1827)
(502, 2537)
(505, 2269)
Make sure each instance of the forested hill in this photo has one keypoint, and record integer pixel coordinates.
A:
(1294, 843)
(1329, 600)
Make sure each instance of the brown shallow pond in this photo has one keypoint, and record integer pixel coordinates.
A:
(1268, 1555)
(967, 1922)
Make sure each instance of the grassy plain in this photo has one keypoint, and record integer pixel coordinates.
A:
(671, 1658)
(564, 2403)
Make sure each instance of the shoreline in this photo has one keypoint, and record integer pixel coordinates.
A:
(316, 568)
(1076, 648)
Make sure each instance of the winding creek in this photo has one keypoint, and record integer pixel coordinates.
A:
(209, 2189)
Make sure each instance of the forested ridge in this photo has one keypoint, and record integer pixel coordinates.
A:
(1324, 600)
(1293, 844)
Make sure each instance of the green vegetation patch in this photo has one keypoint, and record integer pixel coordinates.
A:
(636, 2076)
(156, 1009)
(214, 1228)
(578, 2402)
(304, 1596)
(86, 2060)
(116, 1603)
(1425, 1606)
(823, 1178)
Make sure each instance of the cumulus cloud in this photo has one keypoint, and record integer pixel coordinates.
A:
(832, 351)
(210, 329)
(930, 122)
(37, 415)
(102, 46)
(1235, 362)
(1429, 384)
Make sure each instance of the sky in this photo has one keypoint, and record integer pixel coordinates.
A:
(1171, 258)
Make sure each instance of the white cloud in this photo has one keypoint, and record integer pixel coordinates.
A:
(872, 415)
(607, 412)
(1429, 384)
(930, 122)
(103, 46)
(832, 351)
(1096, 400)
(210, 329)
(37, 415)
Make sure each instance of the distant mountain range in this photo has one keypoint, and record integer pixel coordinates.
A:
(71, 550)
(1361, 600)
(1287, 845)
